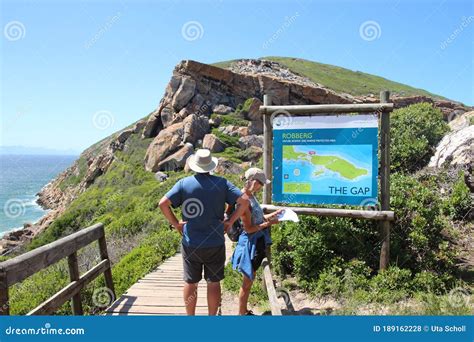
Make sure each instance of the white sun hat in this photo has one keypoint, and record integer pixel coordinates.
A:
(202, 161)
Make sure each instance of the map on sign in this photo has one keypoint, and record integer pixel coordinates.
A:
(325, 159)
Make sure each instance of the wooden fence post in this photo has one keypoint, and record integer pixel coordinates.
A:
(267, 150)
(74, 276)
(4, 301)
(385, 181)
(107, 273)
(267, 161)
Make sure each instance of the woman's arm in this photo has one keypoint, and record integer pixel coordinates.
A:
(269, 217)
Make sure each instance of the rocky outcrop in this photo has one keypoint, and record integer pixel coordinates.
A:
(234, 131)
(173, 137)
(226, 167)
(250, 140)
(177, 160)
(221, 109)
(450, 109)
(456, 147)
(200, 89)
(213, 143)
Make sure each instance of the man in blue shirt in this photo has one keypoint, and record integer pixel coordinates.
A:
(202, 198)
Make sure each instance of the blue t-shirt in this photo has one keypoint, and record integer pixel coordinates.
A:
(202, 198)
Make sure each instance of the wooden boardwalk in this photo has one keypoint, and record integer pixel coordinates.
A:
(161, 291)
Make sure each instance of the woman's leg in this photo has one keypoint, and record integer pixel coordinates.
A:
(244, 295)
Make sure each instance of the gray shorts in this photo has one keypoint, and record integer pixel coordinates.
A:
(211, 259)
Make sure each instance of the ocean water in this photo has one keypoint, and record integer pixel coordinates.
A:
(21, 178)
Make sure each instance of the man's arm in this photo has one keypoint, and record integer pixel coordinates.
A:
(165, 207)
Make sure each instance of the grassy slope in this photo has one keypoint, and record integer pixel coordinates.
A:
(341, 79)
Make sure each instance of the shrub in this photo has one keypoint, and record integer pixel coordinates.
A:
(417, 235)
(415, 131)
(459, 202)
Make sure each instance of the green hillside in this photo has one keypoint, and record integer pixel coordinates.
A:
(340, 79)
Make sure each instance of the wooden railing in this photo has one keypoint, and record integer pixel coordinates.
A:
(270, 287)
(19, 268)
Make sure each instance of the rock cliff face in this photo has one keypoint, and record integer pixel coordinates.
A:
(183, 122)
(457, 147)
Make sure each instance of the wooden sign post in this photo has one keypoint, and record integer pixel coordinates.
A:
(382, 109)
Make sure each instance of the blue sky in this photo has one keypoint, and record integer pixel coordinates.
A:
(73, 72)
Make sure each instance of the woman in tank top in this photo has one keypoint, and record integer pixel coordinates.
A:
(255, 238)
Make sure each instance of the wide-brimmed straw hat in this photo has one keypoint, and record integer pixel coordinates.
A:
(202, 161)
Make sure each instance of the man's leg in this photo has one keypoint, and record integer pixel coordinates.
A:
(213, 297)
(190, 297)
(192, 268)
(214, 273)
(244, 295)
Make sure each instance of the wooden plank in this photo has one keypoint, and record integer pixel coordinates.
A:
(51, 304)
(74, 275)
(272, 296)
(327, 109)
(158, 309)
(164, 301)
(24, 265)
(161, 292)
(326, 212)
(384, 182)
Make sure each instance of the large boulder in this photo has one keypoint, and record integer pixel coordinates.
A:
(233, 131)
(456, 147)
(184, 93)
(195, 127)
(171, 138)
(222, 109)
(152, 125)
(177, 160)
(166, 142)
(213, 143)
(250, 140)
(252, 154)
(256, 127)
(226, 167)
(253, 111)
